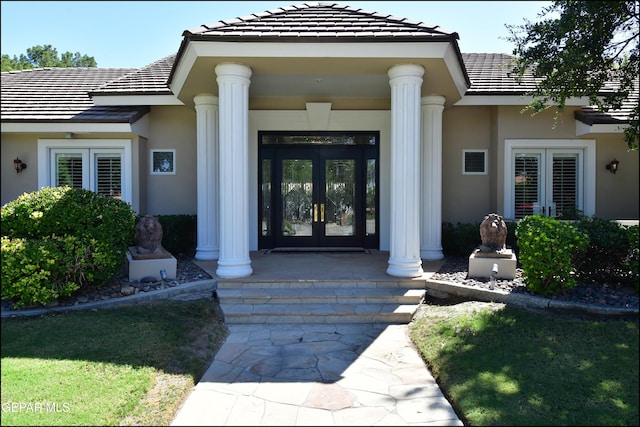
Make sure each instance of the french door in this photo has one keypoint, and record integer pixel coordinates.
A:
(548, 182)
(318, 196)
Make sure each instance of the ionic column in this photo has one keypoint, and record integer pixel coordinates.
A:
(233, 90)
(431, 219)
(208, 244)
(404, 257)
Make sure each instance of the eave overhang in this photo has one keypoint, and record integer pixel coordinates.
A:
(307, 63)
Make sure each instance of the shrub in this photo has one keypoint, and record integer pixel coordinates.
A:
(630, 265)
(460, 239)
(610, 246)
(547, 252)
(58, 239)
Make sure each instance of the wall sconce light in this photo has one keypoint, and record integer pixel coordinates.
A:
(612, 166)
(19, 165)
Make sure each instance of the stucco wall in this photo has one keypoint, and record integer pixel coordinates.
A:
(14, 184)
(172, 128)
(617, 194)
(465, 198)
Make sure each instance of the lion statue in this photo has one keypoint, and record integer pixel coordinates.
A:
(148, 235)
(493, 233)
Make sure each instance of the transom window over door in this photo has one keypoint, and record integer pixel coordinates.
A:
(102, 166)
(553, 178)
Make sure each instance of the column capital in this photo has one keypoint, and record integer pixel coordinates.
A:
(232, 69)
(405, 70)
(433, 100)
(205, 99)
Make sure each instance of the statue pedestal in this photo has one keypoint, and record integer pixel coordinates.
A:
(481, 264)
(149, 265)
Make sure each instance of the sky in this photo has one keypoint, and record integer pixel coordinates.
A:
(133, 34)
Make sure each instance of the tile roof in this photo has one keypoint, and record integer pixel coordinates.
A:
(149, 80)
(320, 22)
(62, 94)
(490, 74)
(59, 94)
(591, 115)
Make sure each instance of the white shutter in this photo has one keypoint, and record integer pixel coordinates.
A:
(565, 184)
(108, 174)
(527, 184)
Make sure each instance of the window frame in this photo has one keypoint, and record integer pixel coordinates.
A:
(586, 165)
(48, 147)
(485, 152)
(169, 153)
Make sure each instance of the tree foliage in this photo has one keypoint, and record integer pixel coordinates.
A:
(581, 49)
(46, 56)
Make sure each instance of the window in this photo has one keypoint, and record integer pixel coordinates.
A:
(163, 162)
(553, 178)
(474, 162)
(103, 166)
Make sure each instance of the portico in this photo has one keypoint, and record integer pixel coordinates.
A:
(224, 226)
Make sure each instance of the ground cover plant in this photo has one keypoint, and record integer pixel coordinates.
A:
(122, 366)
(509, 366)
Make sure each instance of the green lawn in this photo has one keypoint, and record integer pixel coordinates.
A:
(516, 367)
(132, 365)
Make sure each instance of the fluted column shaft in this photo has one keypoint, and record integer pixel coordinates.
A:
(233, 90)
(404, 257)
(431, 219)
(208, 243)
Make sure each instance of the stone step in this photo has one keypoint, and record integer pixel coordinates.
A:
(318, 313)
(401, 283)
(320, 301)
(338, 295)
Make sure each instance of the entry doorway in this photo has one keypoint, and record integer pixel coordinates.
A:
(318, 190)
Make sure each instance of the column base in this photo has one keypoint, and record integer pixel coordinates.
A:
(207, 254)
(432, 254)
(234, 269)
(409, 268)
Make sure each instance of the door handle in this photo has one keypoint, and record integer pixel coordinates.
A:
(315, 212)
(321, 212)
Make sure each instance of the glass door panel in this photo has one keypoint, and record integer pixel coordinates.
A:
(320, 196)
(296, 195)
(337, 211)
(370, 202)
(265, 223)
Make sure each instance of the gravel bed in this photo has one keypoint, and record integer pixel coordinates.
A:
(455, 270)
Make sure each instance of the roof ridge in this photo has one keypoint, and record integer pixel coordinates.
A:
(70, 68)
(230, 23)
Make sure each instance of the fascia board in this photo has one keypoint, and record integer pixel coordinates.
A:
(72, 127)
(455, 70)
(136, 100)
(511, 100)
(320, 50)
(586, 129)
(183, 68)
